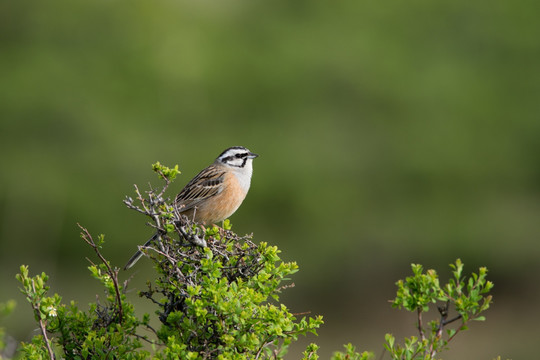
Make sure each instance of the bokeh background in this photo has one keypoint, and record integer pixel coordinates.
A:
(389, 133)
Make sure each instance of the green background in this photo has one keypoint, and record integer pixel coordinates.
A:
(389, 132)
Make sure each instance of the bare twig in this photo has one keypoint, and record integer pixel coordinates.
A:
(420, 325)
(452, 319)
(171, 259)
(302, 313)
(167, 183)
(288, 286)
(192, 237)
(443, 310)
(263, 345)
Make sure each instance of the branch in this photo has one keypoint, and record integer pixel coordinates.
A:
(192, 237)
(112, 273)
(443, 310)
(167, 183)
(42, 326)
(420, 325)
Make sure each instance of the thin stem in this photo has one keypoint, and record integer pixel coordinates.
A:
(443, 310)
(452, 320)
(112, 273)
(420, 325)
(42, 326)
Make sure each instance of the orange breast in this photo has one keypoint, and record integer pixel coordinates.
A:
(222, 205)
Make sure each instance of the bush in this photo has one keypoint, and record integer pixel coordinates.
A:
(468, 296)
(221, 300)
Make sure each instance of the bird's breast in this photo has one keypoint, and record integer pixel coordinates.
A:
(225, 203)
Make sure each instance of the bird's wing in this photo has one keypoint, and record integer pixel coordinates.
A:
(206, 184)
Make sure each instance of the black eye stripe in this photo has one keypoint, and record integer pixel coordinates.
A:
(233, 159)
(235, 156)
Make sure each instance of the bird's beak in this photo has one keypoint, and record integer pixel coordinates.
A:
(252, 155)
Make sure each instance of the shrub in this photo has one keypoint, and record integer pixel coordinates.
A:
(217, 297)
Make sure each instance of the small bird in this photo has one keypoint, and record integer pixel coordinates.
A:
(215, 193)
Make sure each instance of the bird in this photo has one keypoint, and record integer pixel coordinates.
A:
(215, 193)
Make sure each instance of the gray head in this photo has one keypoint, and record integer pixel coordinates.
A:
(237, 157)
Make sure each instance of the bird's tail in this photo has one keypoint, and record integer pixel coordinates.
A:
(138, 254)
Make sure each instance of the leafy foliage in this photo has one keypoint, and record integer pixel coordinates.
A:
(103, 332)
(87, 85)
(219, 300)
(467, 295)
(217, 297)
(351, 354)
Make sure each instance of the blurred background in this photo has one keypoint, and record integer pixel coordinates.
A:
(388, 134)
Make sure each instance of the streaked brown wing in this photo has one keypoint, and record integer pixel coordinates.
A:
(203, 186)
